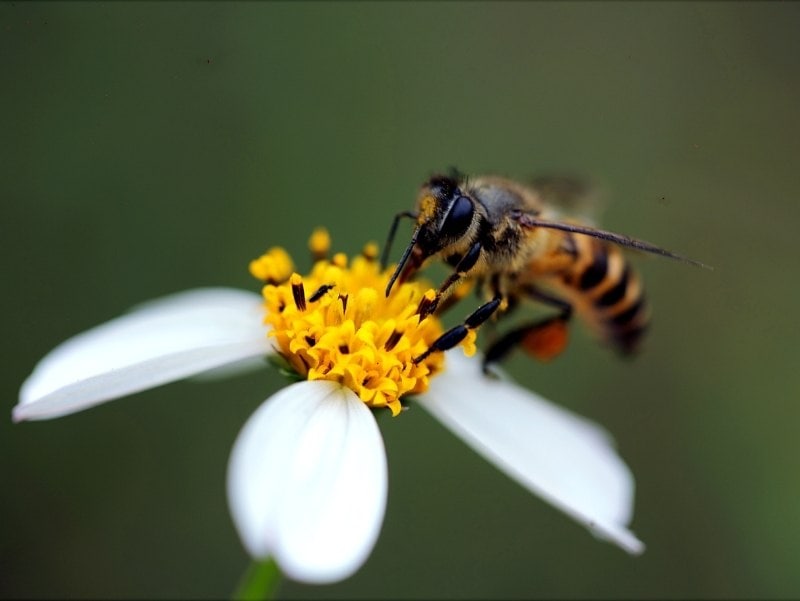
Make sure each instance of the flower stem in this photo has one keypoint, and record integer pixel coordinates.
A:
(259, 582)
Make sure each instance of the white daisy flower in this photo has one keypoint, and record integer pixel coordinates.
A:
(307, 479)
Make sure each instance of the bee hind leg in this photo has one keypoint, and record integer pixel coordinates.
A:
(544, 339)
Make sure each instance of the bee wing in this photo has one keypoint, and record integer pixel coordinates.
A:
(530, 221)
(568, 196)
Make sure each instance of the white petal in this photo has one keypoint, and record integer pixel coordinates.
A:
(158, 342)
(564, 458)
(307, 481)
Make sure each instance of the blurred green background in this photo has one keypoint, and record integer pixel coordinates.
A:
(149, 148)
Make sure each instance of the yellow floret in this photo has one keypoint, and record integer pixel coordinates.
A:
(319, 243)
(336, 323)
(273, 267)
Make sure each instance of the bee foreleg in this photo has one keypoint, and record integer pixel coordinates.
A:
(456, 334)
(462, 268)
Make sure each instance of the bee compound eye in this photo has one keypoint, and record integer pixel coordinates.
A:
(459, 218)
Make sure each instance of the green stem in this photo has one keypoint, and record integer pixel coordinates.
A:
(259, 582)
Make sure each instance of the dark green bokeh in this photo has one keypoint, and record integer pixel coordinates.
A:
(148, 148)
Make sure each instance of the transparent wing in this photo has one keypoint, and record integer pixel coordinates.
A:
(570, 196)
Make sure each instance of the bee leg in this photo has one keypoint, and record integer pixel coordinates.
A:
(543, 339)
(456, 334)
(461, 270)
(459, 292)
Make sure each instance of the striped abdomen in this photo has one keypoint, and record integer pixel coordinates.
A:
(606, 291)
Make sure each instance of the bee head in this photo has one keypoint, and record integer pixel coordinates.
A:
(445, 215)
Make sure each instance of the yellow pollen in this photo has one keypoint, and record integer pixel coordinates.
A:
(336, 323)
(427, 208)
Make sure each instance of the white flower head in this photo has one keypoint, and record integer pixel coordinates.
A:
(307, 479)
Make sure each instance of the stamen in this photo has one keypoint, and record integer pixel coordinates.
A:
(320, 292)
(298, 292)
(393, 339)
(425, 305)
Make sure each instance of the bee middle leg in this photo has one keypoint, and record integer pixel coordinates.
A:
(543, 339)
(456, 334)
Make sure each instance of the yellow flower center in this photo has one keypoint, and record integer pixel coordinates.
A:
(336, 323)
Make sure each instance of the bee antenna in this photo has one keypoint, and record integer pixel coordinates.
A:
(390, 238)
(403, 260)
(455, 173)
(620, 239)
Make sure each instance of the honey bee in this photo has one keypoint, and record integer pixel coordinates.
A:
(511, 241)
